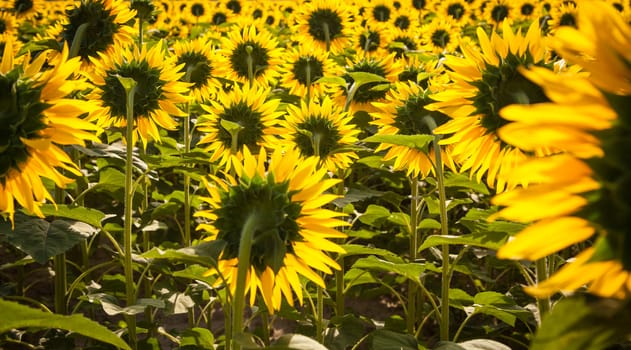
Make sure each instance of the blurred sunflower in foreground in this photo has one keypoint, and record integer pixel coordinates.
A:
(586, 190)
(282, 202)
(485, 81)
(157, 94)
(38, 119)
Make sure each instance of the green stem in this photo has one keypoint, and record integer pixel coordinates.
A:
(457, 335)
(327, 35)
(238, 301)
(413, 229)
(130, 87)
(339, 274)
(59, 261)
(308, 75)
(78, 38)
(320, 314)
(140, 34)
(265, 324)
(250, 63)
(543, 304)
(444, 230)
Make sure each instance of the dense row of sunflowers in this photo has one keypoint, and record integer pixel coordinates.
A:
(527, 97)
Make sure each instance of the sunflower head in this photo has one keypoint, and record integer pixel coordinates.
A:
(197, 59)
(326, 24)
(98, 25)
(38, 119)
(241, 117)
(322, 130)
(290, 231)
(303, 67)
(157, 91)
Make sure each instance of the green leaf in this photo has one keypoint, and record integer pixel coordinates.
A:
(347, 331)
(420, 142)
(458, 298)
(374, 215)
(474, 344)
(205, 254)
(500, 306)
(42, 239)
(429, 223)
(582, 322)
(362, 78)
(331, 80)
(15, 316)
(355, 277)
(411, 271)
(296, 342)
(110, 304)
(197, 338)
(388, 340)
(434, 208)
(356, 249)
(88, 215)
(490, 240)
(460, 180)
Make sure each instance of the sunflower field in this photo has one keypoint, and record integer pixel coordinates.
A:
(315, 174)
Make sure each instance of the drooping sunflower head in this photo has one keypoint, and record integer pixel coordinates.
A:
(404, 113)
(322, 130)
(158, 90)
(303, 67)
(401, 42)
(241, 117)
(281, 206)
(8, 26)
(198, 59)
(326, 24)
(440, 36)
(497, 12)
(485, 81)
(371, 40)
(250, 55)
(386, 67)
(98, 25)
(38, 119)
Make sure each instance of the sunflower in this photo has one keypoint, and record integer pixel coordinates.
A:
(484, 82)
(249, 54)
(379, 11)
(497, 12)
(157, 92)
(291, 233)
(39, 119)
(562, 15)
(528, 11)
(197, 58)
(100, 25)
(326, 24)
(322, 130)
(254, 116)
(8, 26)
(406, 19)
(371, 40)
(401, 41)
(457, 11)
(384, 66)
(586, 189)
(26, 9)
(303, 66)
(440, 36)
(403, 113)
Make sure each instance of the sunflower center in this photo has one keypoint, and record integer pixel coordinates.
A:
(409, 117)
(419, 4)
(323, 20)
(21, 118)
(456, 11)
(499, 13)
(21, 6)
(197, 10)
(567, 19)
(366, 93)
(381, 13)
(197, 67)
(402, 22)
(248, 119)
(527, 9)
(440, 38)
(3, 26)
(307, 69)
(369, 40)
(502, 86)
(239, 58)
(234, 6)
(148, 89)
(219, 18)
(258, 13)
(277, 227)
(317, 136)
(401, 45)
(101, 29)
